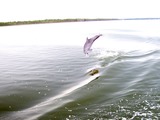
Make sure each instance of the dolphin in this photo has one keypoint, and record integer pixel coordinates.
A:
(89, 42)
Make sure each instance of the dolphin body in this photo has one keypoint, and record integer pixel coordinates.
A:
(89, 42)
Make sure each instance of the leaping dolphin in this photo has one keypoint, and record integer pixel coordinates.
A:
(89, 42)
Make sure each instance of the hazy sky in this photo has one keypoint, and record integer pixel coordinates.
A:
(11, 10)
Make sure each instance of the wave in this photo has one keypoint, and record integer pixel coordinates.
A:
(52, 103)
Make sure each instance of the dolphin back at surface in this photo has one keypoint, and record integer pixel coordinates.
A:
(89, 42)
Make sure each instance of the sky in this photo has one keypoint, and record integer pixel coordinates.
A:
(16, 10)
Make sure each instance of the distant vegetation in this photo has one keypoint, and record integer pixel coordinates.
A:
(49, 21)
(65, 20)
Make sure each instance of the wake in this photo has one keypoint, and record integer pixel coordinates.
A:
(50, 104)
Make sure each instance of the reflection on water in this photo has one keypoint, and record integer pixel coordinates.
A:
(48, 77)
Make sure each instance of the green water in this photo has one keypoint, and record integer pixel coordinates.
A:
(53, 82)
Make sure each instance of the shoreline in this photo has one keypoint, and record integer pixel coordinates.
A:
(11, 23)
(44, 21)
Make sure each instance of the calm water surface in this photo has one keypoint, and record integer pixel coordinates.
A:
(44, 74)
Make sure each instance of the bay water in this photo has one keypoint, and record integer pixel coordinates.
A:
(44, 74)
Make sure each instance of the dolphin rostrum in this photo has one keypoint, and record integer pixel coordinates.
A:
(89, 42)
